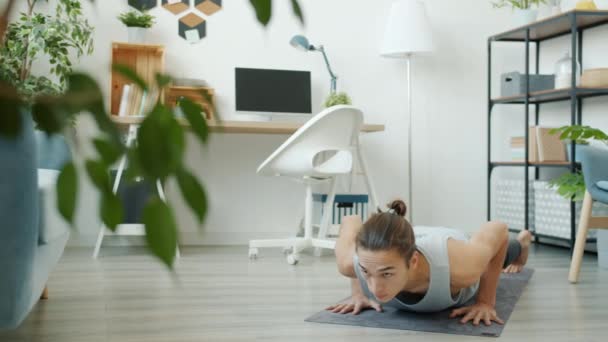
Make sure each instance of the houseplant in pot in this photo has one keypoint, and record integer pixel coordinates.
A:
(159, 153)
(335, 99)
(524, 13)
(581, 135)
(137, 23)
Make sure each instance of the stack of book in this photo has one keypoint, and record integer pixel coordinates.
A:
(542, 147)
(131, 101)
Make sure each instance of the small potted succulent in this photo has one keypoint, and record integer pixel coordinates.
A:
(335, 99)
(524, 13)
(137, 23)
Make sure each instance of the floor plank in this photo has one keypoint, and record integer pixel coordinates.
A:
(217, 294)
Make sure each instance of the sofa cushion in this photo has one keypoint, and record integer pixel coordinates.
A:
(51, 224)
(602, 185)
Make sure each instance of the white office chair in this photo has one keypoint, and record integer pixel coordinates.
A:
(319, 151)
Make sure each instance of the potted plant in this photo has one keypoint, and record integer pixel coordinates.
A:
(83, 96)
(581, 135)
(335, 99)
(572, 185)
(137, 23)
(524, 13)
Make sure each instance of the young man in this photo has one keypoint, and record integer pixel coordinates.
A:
(426, 270)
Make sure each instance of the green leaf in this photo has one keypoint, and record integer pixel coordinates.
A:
(161, 230)
(111, 210)
(160, 144)
(193, 193)
(297, 10)
(192, 111)
(130, 74)
(163, 80)
(67, 191)
(263, 10)
(98, 174)
(108, 151)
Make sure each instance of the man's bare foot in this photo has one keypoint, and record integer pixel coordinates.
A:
(525, 239)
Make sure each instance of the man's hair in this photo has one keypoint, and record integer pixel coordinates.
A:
(389, 230)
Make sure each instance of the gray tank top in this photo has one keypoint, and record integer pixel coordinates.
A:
(432, 243)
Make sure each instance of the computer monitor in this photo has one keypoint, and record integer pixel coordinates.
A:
(273, 91)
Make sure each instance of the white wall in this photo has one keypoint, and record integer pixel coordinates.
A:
(449, 107)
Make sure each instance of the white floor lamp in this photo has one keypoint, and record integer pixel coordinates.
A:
(408, 33)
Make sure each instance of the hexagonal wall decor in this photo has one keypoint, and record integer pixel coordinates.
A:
(143, 5)
(208, 6)
(192, 27)
(176, 6)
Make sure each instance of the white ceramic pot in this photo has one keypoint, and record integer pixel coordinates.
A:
(137, 35)
(525, 17)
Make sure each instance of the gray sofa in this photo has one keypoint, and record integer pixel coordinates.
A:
(32, 234)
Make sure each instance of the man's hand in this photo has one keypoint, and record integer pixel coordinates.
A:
(356, 304)
(477, 313)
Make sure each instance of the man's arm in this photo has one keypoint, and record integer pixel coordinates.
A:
(345, 249)
(480, 259)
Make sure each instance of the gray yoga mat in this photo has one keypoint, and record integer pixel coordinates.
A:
(509, 290)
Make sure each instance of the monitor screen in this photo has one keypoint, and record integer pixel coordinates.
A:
(275, 91)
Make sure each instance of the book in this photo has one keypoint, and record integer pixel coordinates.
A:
(124, 100)
(532, 145)
(550, 147)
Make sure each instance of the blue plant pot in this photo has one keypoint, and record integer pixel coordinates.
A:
(19, 210)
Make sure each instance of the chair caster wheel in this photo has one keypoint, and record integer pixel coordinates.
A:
(292, 259)
(253, 253)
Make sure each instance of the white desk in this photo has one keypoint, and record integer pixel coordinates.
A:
(250, 127)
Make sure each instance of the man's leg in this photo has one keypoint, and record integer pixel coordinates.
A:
(517, 252)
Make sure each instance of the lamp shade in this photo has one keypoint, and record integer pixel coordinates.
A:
(300, 43)
(408, 30)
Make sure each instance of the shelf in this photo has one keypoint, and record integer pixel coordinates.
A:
(554, 26)
(532, 164)
(552, 95)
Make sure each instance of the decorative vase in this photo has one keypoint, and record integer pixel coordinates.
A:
(563, 72)
(525, 16)
(137, 35)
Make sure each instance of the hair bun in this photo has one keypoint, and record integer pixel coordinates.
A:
(399, 207)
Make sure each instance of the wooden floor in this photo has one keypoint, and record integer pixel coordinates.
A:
(217, 294)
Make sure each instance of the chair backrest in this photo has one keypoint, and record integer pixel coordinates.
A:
(333, 132)
(595, 169)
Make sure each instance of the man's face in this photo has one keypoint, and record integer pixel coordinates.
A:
(385, 272)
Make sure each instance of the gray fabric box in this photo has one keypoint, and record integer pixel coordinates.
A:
(514, 83)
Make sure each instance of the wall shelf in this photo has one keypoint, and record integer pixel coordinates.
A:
(554, 26)
(572, 23)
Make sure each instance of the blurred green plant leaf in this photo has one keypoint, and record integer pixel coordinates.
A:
(161, 230)
(67, 191)
(193, 193)
(263, 10)
(193, 113)
(111, 210)
(130, 74)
